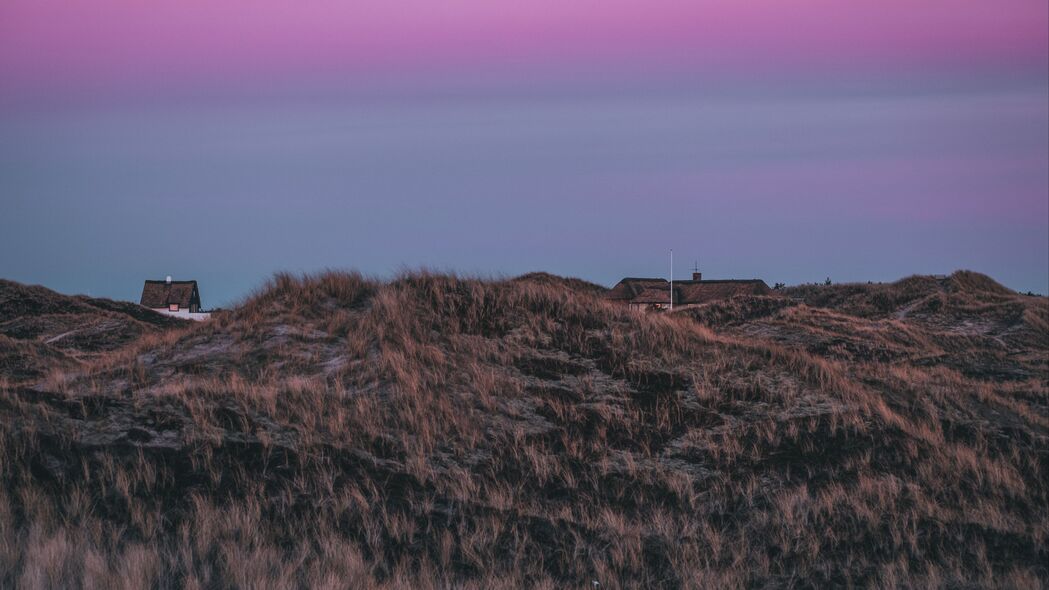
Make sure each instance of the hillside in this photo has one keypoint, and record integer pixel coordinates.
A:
(966, 322)
(436, 431)
(42, 331)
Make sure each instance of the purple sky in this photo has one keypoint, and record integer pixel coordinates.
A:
(783, 139)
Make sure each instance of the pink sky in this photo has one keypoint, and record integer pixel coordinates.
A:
(791, 139)
(62, 46)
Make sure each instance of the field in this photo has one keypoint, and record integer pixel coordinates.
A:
(333, 431)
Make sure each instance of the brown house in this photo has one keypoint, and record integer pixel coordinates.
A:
(644, 293)
(171, 297)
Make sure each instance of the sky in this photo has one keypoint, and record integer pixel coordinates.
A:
(788, 140)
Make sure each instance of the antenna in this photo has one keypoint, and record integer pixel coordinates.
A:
(696, 275)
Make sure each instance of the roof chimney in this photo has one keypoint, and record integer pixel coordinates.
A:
(697, 276)
(168, 279)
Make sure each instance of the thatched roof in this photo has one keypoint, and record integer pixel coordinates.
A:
(691, 292)
(654, 295)
(158, 294)
(629, 288)
(647, 291)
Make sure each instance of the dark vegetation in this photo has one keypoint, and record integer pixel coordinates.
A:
(337, 432)
(44, 332)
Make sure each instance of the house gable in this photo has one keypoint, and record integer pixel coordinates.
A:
(164, 294)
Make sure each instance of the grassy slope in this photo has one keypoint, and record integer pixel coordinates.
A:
(44, 332)
(335, 431)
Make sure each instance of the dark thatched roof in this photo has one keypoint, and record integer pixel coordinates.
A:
(654, 295)
(158, 294)
(629, 288)
(691, 292)
(647, 291)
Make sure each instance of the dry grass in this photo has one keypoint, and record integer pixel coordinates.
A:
(435, 431)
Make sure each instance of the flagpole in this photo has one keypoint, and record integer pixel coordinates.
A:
(671, 279)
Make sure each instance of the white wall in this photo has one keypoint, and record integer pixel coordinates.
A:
(184, 314)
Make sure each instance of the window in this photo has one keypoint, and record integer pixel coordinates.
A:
(172, 307)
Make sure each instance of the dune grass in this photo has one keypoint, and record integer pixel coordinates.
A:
(334, 431)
